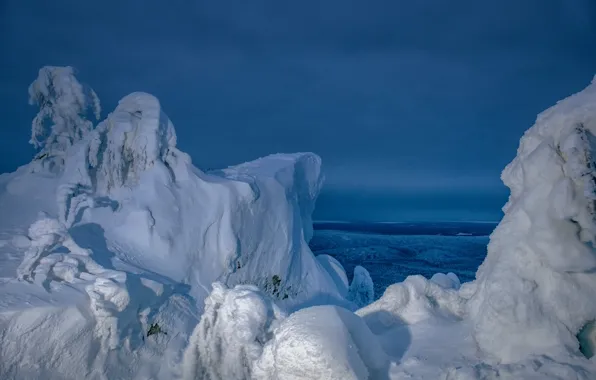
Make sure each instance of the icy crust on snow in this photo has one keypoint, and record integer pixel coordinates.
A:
(535, 286)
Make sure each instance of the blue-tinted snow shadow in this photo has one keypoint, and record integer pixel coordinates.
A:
(92, 236)
(394, 334)
(320, 299)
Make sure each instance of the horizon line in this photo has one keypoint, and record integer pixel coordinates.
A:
(405, 222)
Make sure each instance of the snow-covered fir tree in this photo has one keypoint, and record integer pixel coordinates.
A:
(65, 105)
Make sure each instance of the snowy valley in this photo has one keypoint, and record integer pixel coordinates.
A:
(119, 259)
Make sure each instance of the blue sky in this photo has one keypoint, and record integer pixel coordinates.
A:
(414, 106)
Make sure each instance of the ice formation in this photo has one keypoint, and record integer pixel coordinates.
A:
(132, 263)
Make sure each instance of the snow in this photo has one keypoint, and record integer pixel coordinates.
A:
(336, 271)
(234, 327)
(327, 342)
(129, 225)
(533, 287)
(132, 263)
(64, 103)
(447, 281)
(362, 291)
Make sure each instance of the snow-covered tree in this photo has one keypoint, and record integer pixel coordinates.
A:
(62, 120)
(362, 291)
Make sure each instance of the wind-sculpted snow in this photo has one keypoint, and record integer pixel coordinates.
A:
(133, 264)
(362, 291)
(534, 289)
(528, 314)
(139, 234)
(415, 300)
(235, 325)
(135, 137)
(323, 342)
(192, 227)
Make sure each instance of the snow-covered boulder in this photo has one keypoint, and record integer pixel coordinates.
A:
(535, 290)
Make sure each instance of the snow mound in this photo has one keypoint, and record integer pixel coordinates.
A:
(323, 342)
(534, 286)
(362, 291)
(235, 325)
(414, 300)
(243, 334)
(448, 281)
